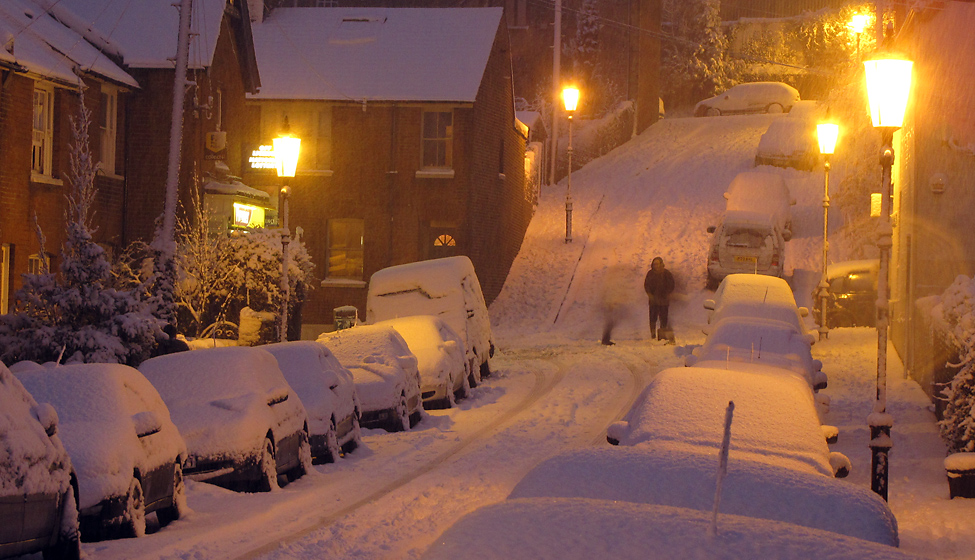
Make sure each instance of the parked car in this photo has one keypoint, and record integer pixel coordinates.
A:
(387, 379)
(446, 288)
(126, 452)
(445, 375)
(753, 97)
(670, 475)
(775, 418)
(328, 392)
(758, 296)
(747, 343)
(745, 242)
(38, 490)
(762, 192)
(243, 424)
(852, 298)
(791, 141)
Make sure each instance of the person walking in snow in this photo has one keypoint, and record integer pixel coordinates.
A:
(659, 284)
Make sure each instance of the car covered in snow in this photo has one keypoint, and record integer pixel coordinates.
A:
(125, 449)
(447, 288)
(444, 373)
(745, 242)
(385, 371)
(747, 343)
(38, 491)
(243, 424)
(852, 300)
(767, 193)
(775, 418)
(758, 296)
(327, 390)
(752, 97)
(791, 140)
(668, 475)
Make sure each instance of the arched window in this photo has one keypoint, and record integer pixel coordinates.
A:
(444, 240)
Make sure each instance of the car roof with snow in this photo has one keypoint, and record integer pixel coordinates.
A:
(748, 218)
(428, 337)
(370, 344)
(756, 341)
(775, 419)
(844, 268)
(583, 529)
(310, 368)
(665, 475)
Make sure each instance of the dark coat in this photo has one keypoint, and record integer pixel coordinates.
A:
(659, 284)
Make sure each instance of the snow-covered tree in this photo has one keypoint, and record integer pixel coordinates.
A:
(79, 314)
(958, 312)
(695, 61)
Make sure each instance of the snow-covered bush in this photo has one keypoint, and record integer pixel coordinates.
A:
(78, 313)
(695, 64)
(958, 313)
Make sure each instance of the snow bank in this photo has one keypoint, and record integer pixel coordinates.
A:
(665, 475)
(577, 528)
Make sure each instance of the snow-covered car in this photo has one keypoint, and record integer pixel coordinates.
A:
(852, 300)
(328, 392)
(583, 529)
(243, 424)
(444, 373)
(387, 379)
(758, 296)
(791, 141)
(766, 193)
(126, 452)
(446, 288)
(775, 418)
(667, 476)
(747, 343)
(38, 491)
(745, 242)
(753, 97)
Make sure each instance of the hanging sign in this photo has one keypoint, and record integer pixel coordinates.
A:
(215, 146)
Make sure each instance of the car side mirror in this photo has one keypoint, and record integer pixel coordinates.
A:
(690, 360)
(811, 339)
(709, 304)
(787, 235)
(727, 195)
(803, 311)
(711, 229)
(616, 431)
(146, 423)
(840, 463)
(819, 381)
(47, 416)
(831, 433)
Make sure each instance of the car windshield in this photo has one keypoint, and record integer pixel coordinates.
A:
(746, 237)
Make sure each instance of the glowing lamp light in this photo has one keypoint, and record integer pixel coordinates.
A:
(827, 134)
(570, 96)
(876, 200)
(857, 23)
(888, 88)
(286, 149)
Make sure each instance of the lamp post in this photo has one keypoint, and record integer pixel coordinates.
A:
(286, 149)
(826, 134)
(888, 87)
(570, 96)
(857, 24)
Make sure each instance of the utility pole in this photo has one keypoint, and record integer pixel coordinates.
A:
(556, 89)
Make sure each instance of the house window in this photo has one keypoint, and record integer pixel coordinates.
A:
(438, 132)
(312, 122)
(440, 240)
(344, 256)
(108, 121)
(43, 137)
(39, 263)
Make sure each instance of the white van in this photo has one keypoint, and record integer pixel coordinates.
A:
(447, 288)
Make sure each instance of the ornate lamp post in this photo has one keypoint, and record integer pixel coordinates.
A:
(286, 150)
(857, 24)
(570, 96)
(827, 134)
(888, 87)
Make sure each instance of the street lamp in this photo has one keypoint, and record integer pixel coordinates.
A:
(888, 87)
(827, 134)
(857, 24)
(286, 149)
(570, 96)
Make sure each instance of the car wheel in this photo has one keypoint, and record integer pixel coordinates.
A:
(774, 108)
(356, 438)
(175, 510)
(485, 370)
(465, 389)
(332, 451)
(267, 469)
(401, 416)
(68, 545)
(134, 520)
(713, 112)
(304, 456)
(474, 375)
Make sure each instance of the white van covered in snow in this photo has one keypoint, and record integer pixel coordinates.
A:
(447, 288)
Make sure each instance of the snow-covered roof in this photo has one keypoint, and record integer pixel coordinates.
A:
(145, 31)
(34, 39)
(235, 187)
(383, 54)
(835, 270)
(666, 476)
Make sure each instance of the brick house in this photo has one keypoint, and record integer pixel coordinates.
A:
(410, 146)
(44, 66)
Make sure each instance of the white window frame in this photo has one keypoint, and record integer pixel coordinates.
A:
(329, 277)
(447, 139)
(108, 127)
(42, 139)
